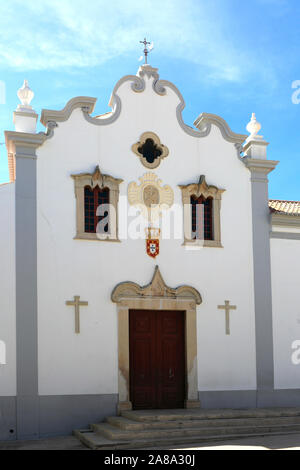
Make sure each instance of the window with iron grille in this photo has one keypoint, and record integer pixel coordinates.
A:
(93, 199)
(202, 218)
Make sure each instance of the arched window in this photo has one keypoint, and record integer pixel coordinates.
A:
(202, 214)
(202, 218)
(93, 199)
(97, 197)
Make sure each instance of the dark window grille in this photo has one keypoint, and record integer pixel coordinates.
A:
(93, 198)
(150, 151)
(202, 218)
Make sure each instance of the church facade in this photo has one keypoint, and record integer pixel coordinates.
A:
(142, 264)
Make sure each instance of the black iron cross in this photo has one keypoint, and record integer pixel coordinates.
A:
(146, 52)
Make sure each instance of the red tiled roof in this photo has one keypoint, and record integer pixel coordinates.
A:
(285, 207)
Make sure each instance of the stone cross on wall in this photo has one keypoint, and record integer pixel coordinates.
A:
(227, 307)
(77, 304)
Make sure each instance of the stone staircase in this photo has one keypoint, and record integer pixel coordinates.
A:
(166, 428)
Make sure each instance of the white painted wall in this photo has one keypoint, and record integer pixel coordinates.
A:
(87, 364)
(7, 292)
(285, 255)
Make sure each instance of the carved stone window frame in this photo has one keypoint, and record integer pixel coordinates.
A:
(103, 181)
(202, 189)
(156, 140)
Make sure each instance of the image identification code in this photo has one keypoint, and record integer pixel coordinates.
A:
(172, 459)
(151, 459)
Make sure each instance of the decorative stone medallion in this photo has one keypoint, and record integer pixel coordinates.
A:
(150, 196)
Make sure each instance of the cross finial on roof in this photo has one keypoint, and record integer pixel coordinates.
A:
(146, 50)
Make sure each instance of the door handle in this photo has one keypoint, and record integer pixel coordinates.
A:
(171, 375)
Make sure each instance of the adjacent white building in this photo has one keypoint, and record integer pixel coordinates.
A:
(142, 264)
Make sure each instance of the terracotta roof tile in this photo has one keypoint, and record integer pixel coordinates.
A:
(285, 207)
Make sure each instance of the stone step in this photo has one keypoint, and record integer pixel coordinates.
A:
(166, 428)
(130, 425)
(198, 414)
(96, 442)
(117, 434)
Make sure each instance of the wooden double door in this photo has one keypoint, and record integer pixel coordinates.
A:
(157, 359)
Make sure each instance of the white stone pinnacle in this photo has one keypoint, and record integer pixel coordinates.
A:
(25, 117)
(254, 127)
(25, 95)
(255, 145)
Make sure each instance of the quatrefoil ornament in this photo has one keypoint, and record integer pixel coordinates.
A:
(150, 150)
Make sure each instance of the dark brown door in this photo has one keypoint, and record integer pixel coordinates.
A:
(157, 359)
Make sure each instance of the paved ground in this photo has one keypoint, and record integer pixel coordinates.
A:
(58, 443)
(290, 442)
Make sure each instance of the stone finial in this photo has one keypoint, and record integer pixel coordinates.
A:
(254, 127)
(25, 95)
(255, 146)
(25, 118)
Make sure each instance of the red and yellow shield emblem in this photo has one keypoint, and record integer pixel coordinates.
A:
(153, 248)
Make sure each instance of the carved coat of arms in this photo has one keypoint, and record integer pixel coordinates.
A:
(152, 242)
(150, 196)
(153, 248)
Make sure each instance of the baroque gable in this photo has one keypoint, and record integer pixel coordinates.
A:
(203, 124)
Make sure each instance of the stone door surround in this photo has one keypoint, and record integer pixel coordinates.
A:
(157, 296)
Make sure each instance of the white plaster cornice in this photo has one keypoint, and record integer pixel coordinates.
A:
(21, 139)
(206, 120)
(21, 145)
(83, 102)
(257, 165)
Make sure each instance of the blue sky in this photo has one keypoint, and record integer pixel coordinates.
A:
(227, 57)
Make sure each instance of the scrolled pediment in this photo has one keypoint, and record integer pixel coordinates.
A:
(202, 189)
(156, 289)
(97, 178)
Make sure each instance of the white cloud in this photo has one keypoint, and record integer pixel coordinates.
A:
(73, 33)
